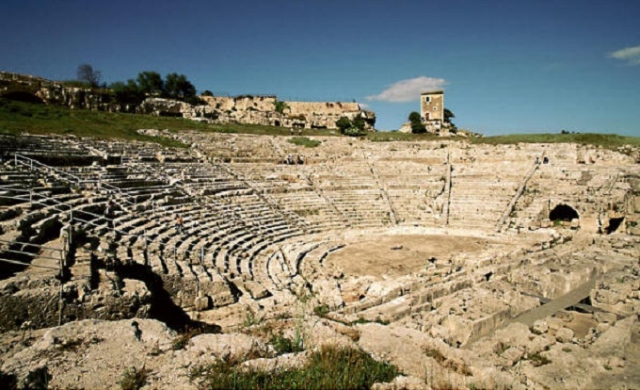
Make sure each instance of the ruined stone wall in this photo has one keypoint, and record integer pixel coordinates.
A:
(261, 110)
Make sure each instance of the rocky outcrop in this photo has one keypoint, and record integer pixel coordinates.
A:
(32, 303)
(36, 89)
(260, 110)
(246, 109)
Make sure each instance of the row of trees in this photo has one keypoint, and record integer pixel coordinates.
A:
(148, 83)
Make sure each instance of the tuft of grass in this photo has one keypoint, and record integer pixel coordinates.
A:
(304, 141)
(133, 379)
(330, 368)
(538, 360)
(182, 340)
(321, 310)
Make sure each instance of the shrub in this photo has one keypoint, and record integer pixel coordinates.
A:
(284, 344)
(280, 106)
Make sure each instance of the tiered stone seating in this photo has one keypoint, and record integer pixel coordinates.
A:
(354, 192)
(483, 183)
(415, 189)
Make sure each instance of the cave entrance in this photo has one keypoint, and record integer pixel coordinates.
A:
(21, 96)
(563, 213)
(276, 123)
(614, 224)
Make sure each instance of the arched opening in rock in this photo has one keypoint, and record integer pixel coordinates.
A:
(276, 123)
(563, 213)
(614, 224)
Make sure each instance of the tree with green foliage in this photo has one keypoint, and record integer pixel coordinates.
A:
(280, 106)
(150, 83)
(207, 93)
(358, 122)
(87, 74)
(416, 123)
(128, 94)
(343, 124)
(176, 86)
(448, 115)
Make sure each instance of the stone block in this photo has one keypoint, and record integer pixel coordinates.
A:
(564, 335)
(513, 355)
(540, 327)
(609, 318)
(202, 303)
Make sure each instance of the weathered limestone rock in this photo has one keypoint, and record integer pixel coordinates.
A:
(564, 335)
(540, 327)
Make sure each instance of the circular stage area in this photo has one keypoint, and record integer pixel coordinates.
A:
(396, 255)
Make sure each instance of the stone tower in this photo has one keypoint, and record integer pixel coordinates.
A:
(432, 110)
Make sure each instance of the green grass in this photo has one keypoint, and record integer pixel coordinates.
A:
(388, 136)
(604, 140)
(329, 368)
(304, 141)
(19, 117)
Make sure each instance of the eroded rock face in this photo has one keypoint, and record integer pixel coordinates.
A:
(23, 306)
(25, 87)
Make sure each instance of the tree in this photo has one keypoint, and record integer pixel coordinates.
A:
(87, 74)
(280, 106)
(358, 122)
(343, 124)
(127, 95)
(416, 123)
(177, 86)
(207, 93)
(150, 83)
(448, 115)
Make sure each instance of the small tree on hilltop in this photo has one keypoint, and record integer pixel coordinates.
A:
(343, 124)
(447, 119)
(280, 106)
(177, 86)
(416, 123)
(448, 115)
(150, 83)
(359, 123)
(127, 95)
(87, 74)
(207, 93)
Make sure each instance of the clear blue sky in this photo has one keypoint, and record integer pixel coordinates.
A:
(506, 66)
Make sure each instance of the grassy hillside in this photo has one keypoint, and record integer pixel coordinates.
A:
(19, 117)
(604, 140)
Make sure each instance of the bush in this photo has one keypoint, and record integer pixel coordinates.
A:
(353, 132)
(284, 344)
(280, 106)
